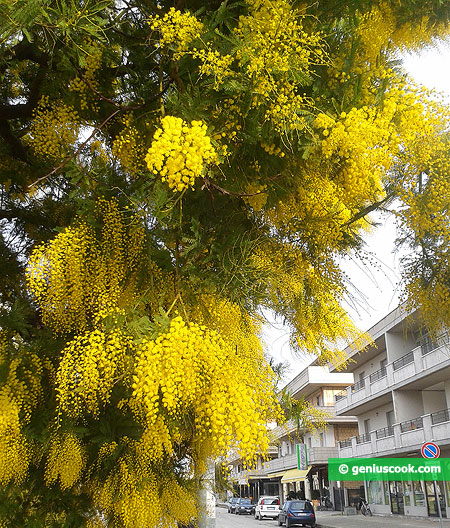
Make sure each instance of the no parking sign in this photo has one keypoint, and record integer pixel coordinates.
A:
(430, 450)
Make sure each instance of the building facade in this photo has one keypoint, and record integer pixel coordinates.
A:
(252, 482)
(318, 386)
(401, 398)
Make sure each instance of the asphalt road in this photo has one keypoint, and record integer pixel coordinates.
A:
(229, 520)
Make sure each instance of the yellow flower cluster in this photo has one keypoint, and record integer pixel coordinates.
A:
(362, 139)
(90, 365)
(85, 86)
(273, 150)
(378, 28)
(130, 498)
(215, 64)
(66, 460)
(176, 30)
(285, 109)
(155, 442)
(79, 276)
(14, 455)
(24, 382)
(54, 129)
(179, 152)
(134, 496)
(374, 30)
(275, 50)
(228, 118)
(191, 368)
(128, 149)
(256, 196)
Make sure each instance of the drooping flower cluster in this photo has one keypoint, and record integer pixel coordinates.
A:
(180, 152)
(177, 30)
(14, 455)
(88, 370)
(127, 147)
(276, 52)
(54, 129)
(215, 64)
(66, 460)
(190, 369)
(76, 277)
(87, 84)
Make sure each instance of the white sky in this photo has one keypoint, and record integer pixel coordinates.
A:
(378, 284)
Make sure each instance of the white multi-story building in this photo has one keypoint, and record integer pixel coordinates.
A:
(318, 386)
(401, 398)
(252, 482)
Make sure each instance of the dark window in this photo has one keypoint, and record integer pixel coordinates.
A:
(270, 501)
(300, 505)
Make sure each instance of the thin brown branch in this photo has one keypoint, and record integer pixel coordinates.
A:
(79, 149)
(209, 184)
(364, 212)
(96, 129)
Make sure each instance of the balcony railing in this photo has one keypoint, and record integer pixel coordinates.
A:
(410, 425)
(385, 432)
(340, 395)
(345, 443)
(363, 439)
(378, 374)
(430, 344)
(440, 417)
(359, 385)
(404, 360)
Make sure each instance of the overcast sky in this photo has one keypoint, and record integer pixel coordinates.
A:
(379, 284)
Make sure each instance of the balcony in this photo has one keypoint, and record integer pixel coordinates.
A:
(290, 427)
(404, 437)
(320, 455)
(316, 456)
(384, 432)
(280, 464)
(406, 370)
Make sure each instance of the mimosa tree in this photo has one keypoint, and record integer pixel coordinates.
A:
(168, 173)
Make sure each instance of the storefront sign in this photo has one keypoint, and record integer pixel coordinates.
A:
(302, 457)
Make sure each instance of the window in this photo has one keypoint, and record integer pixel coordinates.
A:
(329, 396)
(309, 443)
(322, 440)
(367, 426)
(390, 418)
(407, 493)
(375, 492)
(419, 496)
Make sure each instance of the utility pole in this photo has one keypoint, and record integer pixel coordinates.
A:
(206, 498)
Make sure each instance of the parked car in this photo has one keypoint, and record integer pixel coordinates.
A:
(244, 506)
(300, 512)
(231, 503)
(267, 507)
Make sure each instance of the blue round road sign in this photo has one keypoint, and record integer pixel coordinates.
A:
(430, 450)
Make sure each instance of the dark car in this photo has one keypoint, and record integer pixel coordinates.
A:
(244, 506)
(300, 512)
(231, 503)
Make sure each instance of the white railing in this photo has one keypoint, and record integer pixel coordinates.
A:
(412, 365)
(405, 436)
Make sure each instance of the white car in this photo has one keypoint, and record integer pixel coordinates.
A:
(267, 507)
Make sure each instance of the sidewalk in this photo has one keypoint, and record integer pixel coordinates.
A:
(336, 520)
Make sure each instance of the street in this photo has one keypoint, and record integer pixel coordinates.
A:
(228, 520)
(330, 520)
